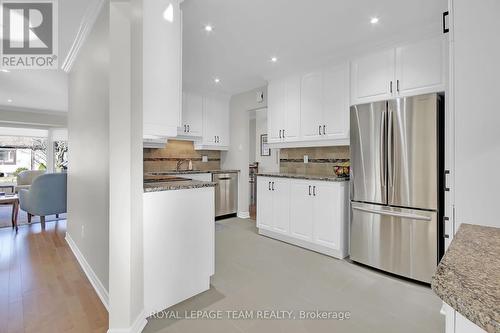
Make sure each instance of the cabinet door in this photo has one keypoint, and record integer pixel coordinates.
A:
(210, 116)
(327, 214)
(336, 102)
(372, 76)
(301, 210)
(223, 122)
(281, 205)
(192, 114)
(264, 203)
(161, 54)
(291, 111)
(275, 110)
(421, 67)
(311, 108)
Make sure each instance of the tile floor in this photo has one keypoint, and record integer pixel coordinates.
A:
(258, 273)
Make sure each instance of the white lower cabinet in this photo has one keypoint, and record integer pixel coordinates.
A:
(274, 213)
(310, 214)
(456, 323)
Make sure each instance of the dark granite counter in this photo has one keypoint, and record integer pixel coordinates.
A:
(187, 172)
(468, 277)
(176, 185)
(301, 176)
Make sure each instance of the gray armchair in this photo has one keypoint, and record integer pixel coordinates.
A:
(46, 196)
(25, 179)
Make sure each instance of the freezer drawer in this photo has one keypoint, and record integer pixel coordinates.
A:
(396, 240)
(226, 193)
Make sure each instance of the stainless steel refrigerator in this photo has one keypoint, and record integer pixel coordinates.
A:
(395, 199)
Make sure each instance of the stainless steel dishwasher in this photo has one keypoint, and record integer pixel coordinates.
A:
(226, 193)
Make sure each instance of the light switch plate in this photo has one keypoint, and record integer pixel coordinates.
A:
(204, 159)
(306, 158)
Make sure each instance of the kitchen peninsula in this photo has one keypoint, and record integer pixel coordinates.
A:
(179, 241)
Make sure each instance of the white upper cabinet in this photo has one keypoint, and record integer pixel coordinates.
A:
(215, 123)
(284, 110)
(311, 105)
(276, 110)
(336, 103)
(162, 75)
(421, 67)
(411, 69)
(372, 77)
(192, 115)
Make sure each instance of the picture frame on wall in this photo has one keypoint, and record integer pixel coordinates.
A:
(264, 147)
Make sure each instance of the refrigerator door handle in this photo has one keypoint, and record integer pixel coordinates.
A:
(390, 149)
(383, 123)
(395, 214)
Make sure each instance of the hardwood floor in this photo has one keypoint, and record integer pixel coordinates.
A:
(42, 287)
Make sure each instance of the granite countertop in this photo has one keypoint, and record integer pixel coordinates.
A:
(302, 176)
(187, 172)
(176, 185)
(468, 277)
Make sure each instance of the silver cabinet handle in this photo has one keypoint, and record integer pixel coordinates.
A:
(269, 187)
(283, 134)
(189, 129)
(390, 87)
(395, 214)
(280, 134)
(309, 189)
(397, 85)
(314, 190)
(324, 129)
(319, 130)
(272, 186)
(184, 128)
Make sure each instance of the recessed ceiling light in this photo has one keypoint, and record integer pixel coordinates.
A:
(209, 28)
(168, 14)
(374, 20)
(217, 80)
(274, 59)
(9, 100)
(5, 70)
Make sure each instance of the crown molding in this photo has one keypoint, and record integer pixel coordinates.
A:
(86, 25)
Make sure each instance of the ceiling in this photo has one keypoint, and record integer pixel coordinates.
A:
(301, 34)
(42, 90)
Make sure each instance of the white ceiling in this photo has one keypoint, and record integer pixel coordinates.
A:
(42, 90)
(302, 34)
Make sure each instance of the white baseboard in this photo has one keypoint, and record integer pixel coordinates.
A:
(243, 215)
(137, 327)
(91, 275)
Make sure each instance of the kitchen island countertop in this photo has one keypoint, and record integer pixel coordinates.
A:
(468, 276)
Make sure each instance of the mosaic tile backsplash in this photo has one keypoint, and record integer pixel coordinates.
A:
(165, 159)
(322, 160)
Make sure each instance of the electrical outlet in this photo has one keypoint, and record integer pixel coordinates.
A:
(306, 159)
(83, 231)
(204, 159)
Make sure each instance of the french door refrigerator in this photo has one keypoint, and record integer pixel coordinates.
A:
(395, 168)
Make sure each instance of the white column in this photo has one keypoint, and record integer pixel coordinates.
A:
(125, 187)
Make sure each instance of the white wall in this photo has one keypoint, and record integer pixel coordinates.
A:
(88, 140)
(477, 116)
(237, 157)
(266, 163)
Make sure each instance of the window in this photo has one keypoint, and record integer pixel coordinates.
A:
(8, 156)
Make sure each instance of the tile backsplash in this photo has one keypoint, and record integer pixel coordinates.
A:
(322, 160)
(166, 159)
